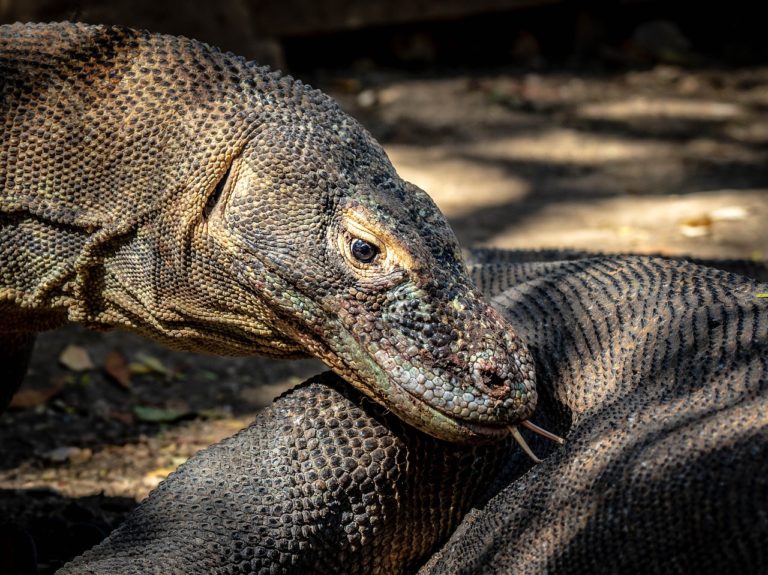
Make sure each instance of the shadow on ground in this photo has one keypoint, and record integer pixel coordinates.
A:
(41, 529)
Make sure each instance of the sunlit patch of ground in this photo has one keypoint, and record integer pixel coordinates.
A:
(665, 160)
(716, 224)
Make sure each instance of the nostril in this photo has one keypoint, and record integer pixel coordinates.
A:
(495, 385)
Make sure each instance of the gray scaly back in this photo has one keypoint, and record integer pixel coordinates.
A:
(657, 373)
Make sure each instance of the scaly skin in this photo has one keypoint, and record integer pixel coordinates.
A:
(323, 481)
(657, 373)
(477, 257)
(154, 184)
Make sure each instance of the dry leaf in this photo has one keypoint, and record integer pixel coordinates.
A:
(159, 415)
(153, 478)
(28, 398)
(161, 472)
(116, 366)
(696, 227)
(148, 364)
(178, 404)
(69, 454)
(136, 368)
(123, 417)
(347, 85)
(76, 358)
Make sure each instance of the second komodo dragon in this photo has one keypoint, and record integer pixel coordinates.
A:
(156, 184)
(657, 372)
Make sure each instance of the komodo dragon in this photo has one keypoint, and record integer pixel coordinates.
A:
(657, 372)
(155, 184)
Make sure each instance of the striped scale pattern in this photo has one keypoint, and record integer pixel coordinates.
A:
(657, 372)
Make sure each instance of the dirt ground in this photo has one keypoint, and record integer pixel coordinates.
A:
(664, 160)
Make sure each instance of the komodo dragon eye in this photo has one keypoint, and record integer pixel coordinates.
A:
(363, 251)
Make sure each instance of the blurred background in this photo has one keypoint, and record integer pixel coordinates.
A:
(623, 126)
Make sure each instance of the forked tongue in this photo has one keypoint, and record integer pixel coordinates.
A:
(536, 429)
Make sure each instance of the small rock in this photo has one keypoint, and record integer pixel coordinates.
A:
(71, 454)
(728, 213)
(367, 98)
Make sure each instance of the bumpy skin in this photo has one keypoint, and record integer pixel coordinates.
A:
(153, 183)
(658, 373)
(322, 482)
(755, 269)
(655, 371)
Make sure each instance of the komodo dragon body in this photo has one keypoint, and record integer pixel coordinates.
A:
(655, 370)
(155, 184)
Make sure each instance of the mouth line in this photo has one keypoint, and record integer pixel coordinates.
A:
(405, 404)
(485, 429)
(489, 430)
(476, 429)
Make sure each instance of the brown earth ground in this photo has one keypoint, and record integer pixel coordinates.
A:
(665, 160)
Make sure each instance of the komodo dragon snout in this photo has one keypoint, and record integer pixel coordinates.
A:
(363, 271)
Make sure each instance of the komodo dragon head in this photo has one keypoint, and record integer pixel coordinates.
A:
(362, 270)
(249, 214)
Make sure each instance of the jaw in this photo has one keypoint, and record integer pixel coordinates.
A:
(362, 371)
(416, 411)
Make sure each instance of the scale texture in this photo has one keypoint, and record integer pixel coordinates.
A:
(655, 371)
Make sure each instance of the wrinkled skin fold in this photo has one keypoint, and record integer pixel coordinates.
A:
(656, 372)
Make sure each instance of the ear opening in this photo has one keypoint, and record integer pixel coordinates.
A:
(218, 191)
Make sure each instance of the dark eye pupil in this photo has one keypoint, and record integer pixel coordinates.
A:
(363, 251)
